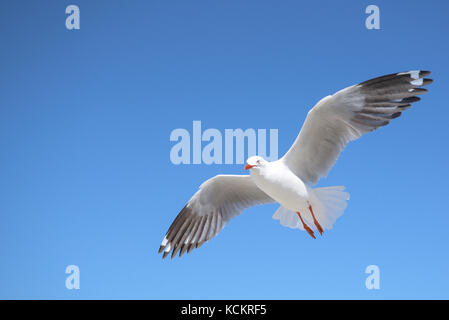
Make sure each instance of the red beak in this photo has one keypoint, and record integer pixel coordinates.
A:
(248, 166)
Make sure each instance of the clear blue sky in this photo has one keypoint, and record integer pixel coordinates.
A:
(85, 173)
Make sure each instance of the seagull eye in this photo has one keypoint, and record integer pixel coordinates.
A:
(258, 161)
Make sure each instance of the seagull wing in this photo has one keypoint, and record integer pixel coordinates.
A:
(217, 201)
(347, 115)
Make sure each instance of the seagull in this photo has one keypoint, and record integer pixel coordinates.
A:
(329, 126)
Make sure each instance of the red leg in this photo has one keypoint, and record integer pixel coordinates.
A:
(318, 226)
(306, 227)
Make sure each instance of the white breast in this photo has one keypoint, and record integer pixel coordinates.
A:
(276, 180)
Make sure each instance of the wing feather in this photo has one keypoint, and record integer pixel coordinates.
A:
(216, 202)
(348, 114)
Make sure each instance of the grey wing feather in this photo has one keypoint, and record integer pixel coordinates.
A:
(335, 120)
(218, 200)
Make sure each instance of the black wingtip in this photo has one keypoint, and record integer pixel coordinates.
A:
(423, 73)
(411, 99)
(175, 251)
(183, 249)
(419, 90)
(426, 81)
(395, 115)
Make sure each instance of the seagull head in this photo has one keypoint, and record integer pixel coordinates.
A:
(255, 162)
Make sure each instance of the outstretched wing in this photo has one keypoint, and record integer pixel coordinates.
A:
(218, 200)
(346, 115)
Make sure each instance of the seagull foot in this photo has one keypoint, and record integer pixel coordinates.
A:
(309, 231)
(306, 227)
(318, 226)
(315, 221)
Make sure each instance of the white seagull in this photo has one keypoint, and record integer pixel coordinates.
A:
(330, 125)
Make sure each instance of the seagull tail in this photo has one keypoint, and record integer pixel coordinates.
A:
(328, 205)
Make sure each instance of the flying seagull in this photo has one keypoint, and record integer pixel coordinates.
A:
(329, 126)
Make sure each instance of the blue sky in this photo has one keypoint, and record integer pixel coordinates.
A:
(85, 172)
